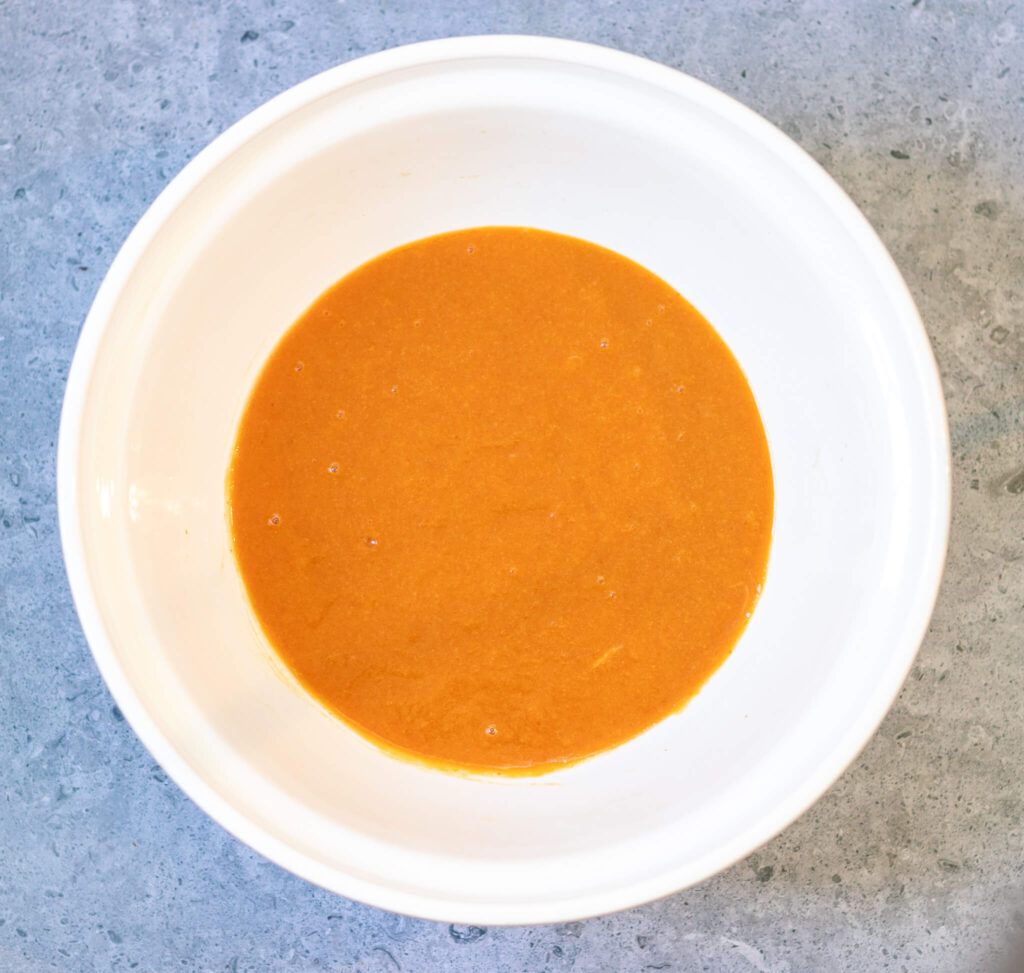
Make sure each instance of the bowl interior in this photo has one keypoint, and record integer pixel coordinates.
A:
(582, 142)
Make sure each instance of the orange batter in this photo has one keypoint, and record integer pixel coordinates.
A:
(501, 499)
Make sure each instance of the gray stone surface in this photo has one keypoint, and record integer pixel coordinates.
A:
(914, 861)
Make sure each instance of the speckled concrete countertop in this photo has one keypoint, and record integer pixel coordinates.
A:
(914, 861)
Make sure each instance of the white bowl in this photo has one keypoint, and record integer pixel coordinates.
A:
(585, 141)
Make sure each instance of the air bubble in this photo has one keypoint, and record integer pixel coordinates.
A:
(333, 468)
(394, 388)
(341, 414)
(469, 249)
(492, 730)
(274, 520)
(611, 594)
(600, 579)
(372, 542)
(604, 344)
(298, 366)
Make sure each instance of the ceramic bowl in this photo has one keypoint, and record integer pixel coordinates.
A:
(580, 140)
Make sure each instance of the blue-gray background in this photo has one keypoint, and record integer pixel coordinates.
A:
(914, 861)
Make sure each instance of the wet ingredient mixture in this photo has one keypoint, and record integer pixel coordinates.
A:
(501, 499)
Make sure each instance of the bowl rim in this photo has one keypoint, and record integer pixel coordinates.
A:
(379, 894)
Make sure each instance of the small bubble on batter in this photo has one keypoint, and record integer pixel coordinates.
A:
(469, 249)
(298, 366)
(611, 594)
(680, 388)
(274, 520)
(333, 468)
(491, 730)
(600, 579)
(340, 414)
(511, 570)
(372, 542)
(604, 344)
(394, 388)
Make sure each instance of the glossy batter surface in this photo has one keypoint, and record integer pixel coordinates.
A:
(501, 499)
